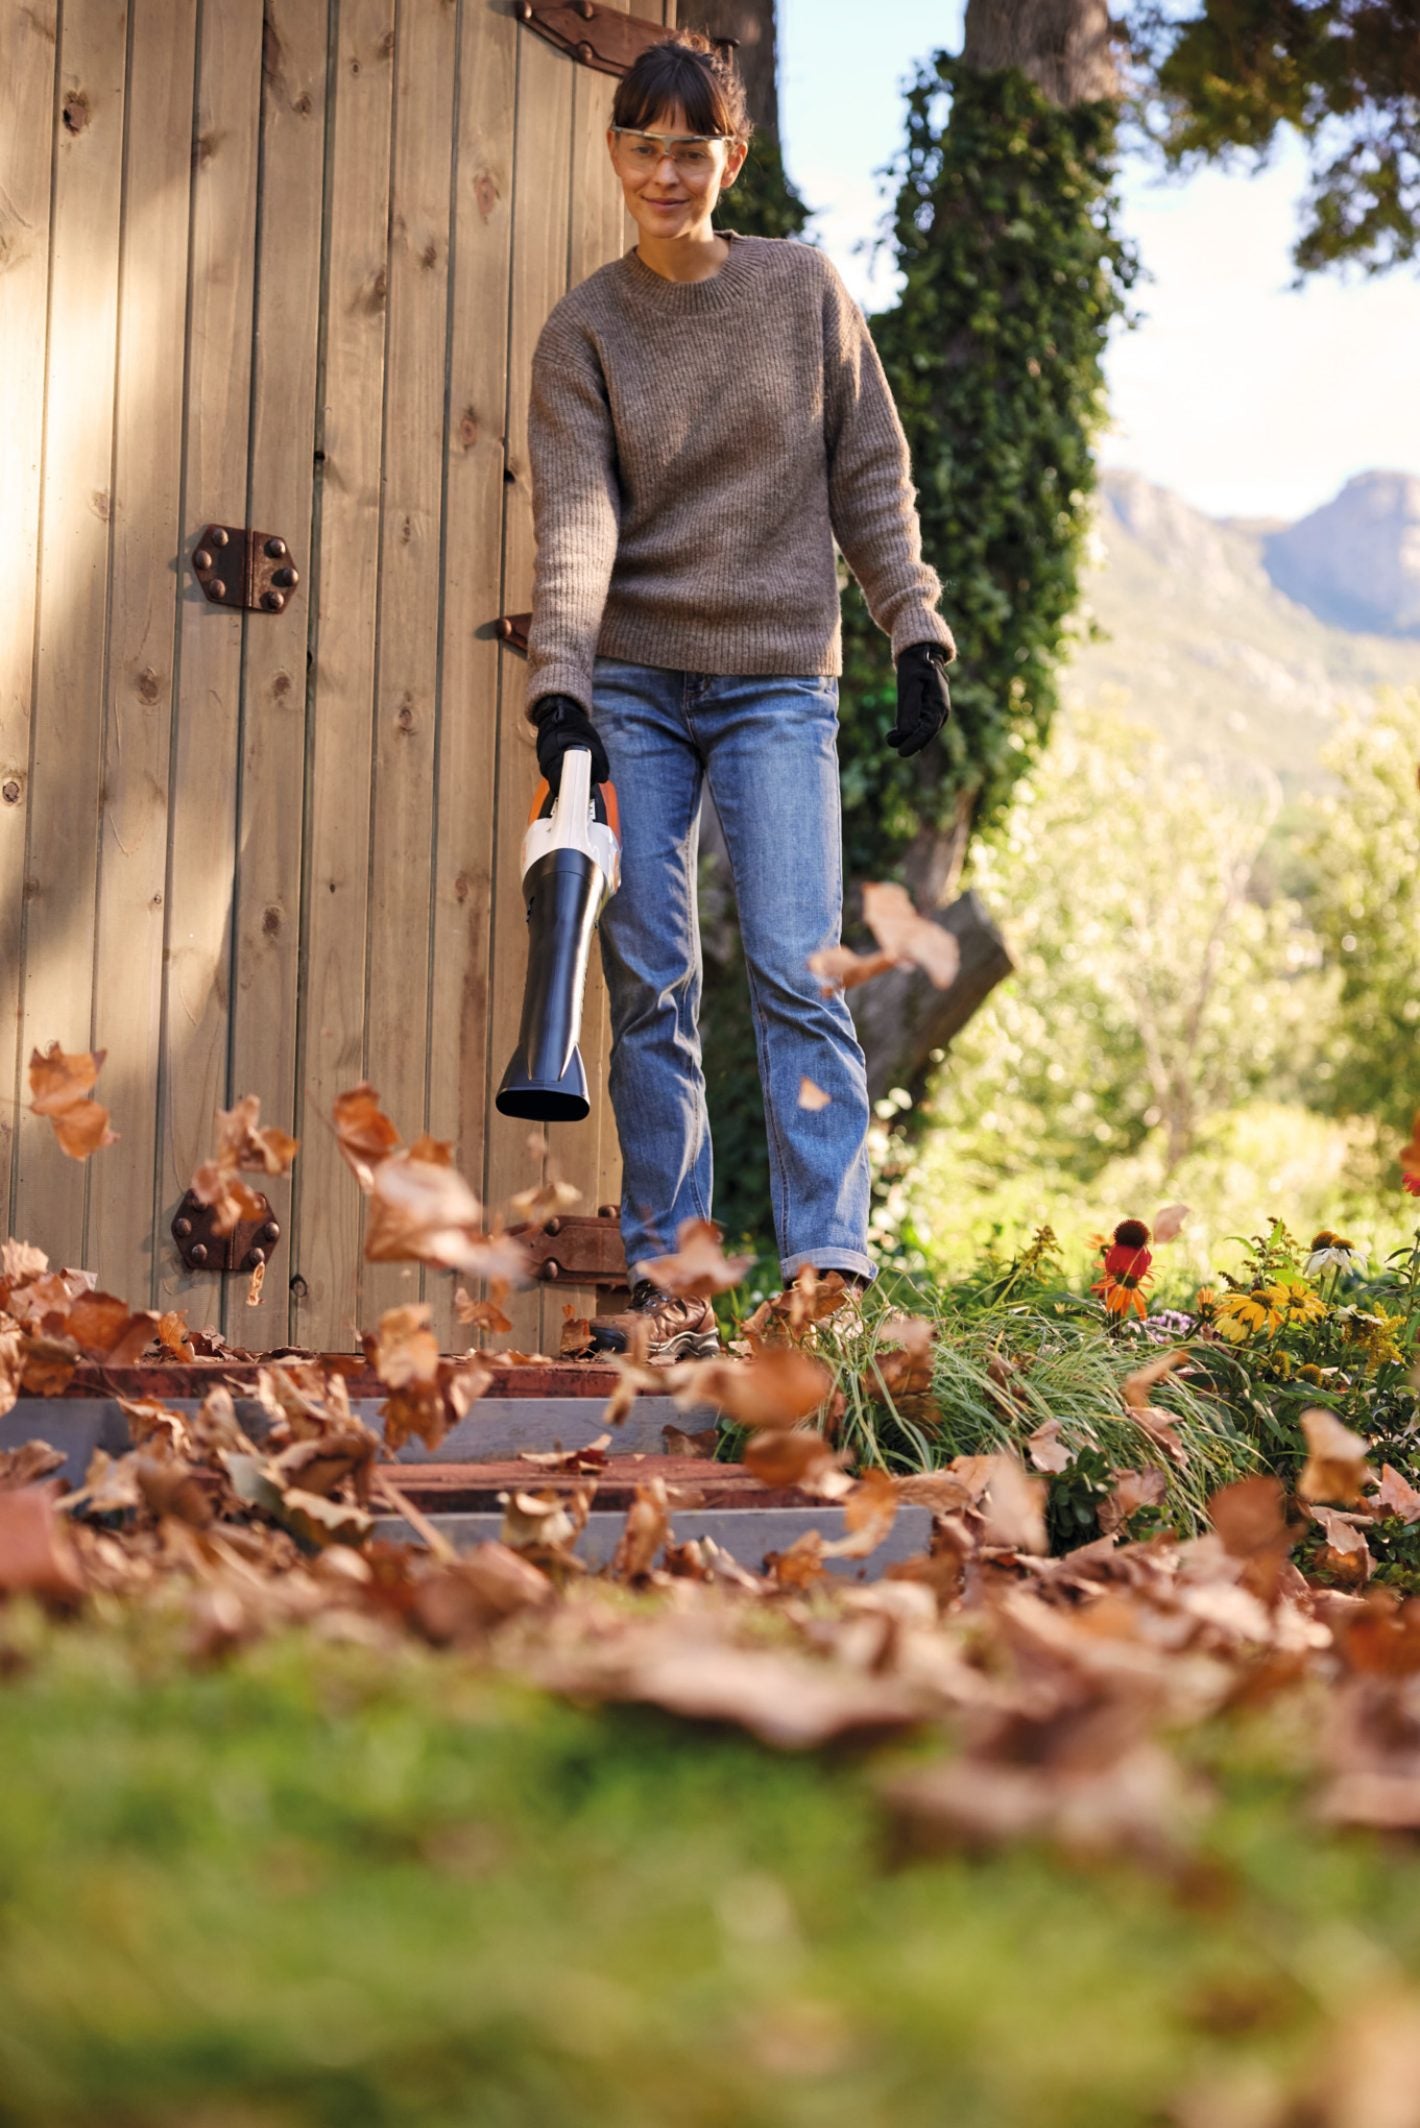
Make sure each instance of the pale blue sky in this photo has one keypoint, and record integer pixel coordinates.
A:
(1246, 399)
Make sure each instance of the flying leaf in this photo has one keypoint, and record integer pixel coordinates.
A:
(812, 1097)
(906, 935)
(60, 1082)
(363, 1131)
(776, 1388)
(840, 968)
(1336, 1466)
(699, 1266)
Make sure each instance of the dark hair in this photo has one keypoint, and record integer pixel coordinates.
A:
(685, 69)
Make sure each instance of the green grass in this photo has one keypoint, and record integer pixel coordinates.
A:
(332, 1885)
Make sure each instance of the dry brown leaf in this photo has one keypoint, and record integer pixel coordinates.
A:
(647, 1528)
(1336, 1468)
(1014, 1506)
(171, 1335)
(840, 968)
(27, 1464)
(699, 1266)
(406, 1349)
(868, 1515)
(37, 1557)
(543, 1201)
(105, 1328)
(907, 935)
(1046, 1449)
(576, 1338)
(60, 1082)
(1132, 1489)
(1346, 1553)
(1396, 1496)
(481, 1314)
(1168, 1223)
(363, 1131)
(1135, 1387)
(798, 1458)
(421, 1212)
(776, 1388)
(812, 1097)
(572, 1462)
(20, 1262)
(700, 1446)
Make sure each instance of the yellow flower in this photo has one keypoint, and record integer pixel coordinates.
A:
(1239, 1314)
(1374, 1331)
(1304, 1306)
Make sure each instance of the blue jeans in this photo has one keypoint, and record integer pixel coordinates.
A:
(767, 747)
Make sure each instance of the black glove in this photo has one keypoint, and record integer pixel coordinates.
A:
(563, 723)
(923, 703)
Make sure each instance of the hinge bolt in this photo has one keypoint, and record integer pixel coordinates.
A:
(271, 1231)
(587, 11)
(202, 559)
(276, 548)
(273, 601)
(198, 1252)
(219, 535)
(217, 589)
(287, 576)
(182, 1228)
(552, 1269)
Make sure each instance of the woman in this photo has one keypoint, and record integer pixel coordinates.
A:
(708, 414)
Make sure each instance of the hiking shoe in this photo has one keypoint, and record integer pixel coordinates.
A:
(657, 1326)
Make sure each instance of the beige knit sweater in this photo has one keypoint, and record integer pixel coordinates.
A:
(696, 448)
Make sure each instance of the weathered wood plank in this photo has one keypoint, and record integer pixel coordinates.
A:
(407, 695)
(203, 785)
(67, 729)
(540, 236)
(344, 575)
(268, 885)
(473, 444)
(28, 59)
(133, 846)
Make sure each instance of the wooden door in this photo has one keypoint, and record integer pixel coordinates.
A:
(277, 265)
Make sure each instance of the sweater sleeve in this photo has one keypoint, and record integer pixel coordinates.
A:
(872, 502)
(576, 503)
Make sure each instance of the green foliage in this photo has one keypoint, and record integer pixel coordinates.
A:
(1339, 73)
(1013, 269)
(1005, 231)
(762, 200)
(1360, 846)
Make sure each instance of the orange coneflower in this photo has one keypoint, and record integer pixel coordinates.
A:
(1126, 1269)
(1410, 1159)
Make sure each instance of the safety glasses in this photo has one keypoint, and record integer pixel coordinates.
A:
(692, 153)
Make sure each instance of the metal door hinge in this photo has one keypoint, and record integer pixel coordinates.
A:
(600, 37)
(239, 567)
(202, 1248)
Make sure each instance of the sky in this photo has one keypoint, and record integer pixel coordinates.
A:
(1244, 397)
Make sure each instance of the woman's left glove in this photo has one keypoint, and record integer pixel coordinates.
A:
(923, 703)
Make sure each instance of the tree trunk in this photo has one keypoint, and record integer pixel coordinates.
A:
(1064, 46)
(752, 23)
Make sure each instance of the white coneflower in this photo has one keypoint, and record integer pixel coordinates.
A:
(1334, 1249)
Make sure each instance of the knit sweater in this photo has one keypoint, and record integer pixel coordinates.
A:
(696, 448)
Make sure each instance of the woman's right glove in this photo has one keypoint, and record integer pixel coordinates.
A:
(562, 723)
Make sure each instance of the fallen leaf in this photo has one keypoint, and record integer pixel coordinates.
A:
(699, 1266)
(777, 1387)
(28, 1463)
(1132, 1489)
(647, 1527)
(37, 1557)
(904, 933)
(481, 1314)
(1014, 1506)
(1336, 1466)
(1346, 1553)
(840, 968)
(1397, 1496)
(60, 1082)
(799, 1458)
(363, 1131)
(1046, 1449)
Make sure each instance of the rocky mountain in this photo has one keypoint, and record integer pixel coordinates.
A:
(1240, 637)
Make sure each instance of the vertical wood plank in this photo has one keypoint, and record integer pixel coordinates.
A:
(128, 969)
(268, 884)
(326, 1237)
(407, 674)
(542, 168)
(473, 444)
(203, 776)
(29, 59)
(67, 728)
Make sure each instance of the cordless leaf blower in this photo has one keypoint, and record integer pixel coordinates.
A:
(571, 864)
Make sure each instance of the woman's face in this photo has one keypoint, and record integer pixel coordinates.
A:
(672, 192)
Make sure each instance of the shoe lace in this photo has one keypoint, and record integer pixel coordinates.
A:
(644, 1294)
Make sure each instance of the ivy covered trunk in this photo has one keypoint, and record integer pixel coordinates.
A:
(1004, 230)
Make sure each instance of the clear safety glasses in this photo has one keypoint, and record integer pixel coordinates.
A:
(692, 153)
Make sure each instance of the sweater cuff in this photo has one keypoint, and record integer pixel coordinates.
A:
(558, 676)
(919, 626)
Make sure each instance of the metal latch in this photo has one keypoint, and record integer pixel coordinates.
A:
(239, 567)
(577, 1251)
(202, 1248)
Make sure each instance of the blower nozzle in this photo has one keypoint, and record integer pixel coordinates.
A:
(571, 863)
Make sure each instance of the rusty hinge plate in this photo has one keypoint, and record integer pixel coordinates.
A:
(513, 628)
(202, 1248)
(577, 1252)
(597, 36)
(238, 567)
